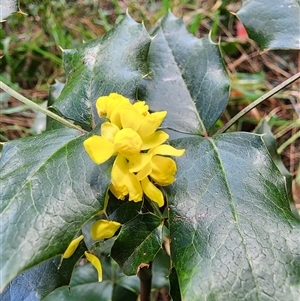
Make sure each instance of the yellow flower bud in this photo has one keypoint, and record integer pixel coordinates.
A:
(103, 228)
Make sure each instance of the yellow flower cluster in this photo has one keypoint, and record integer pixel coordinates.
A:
(131, 135)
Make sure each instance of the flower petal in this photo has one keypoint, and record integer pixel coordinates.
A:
(151, 122)
(106, 104)
(141, 107)
(134, 188)
(152, 192)
(128, 142)
(163, 170)
(144, 172)
(103, 229)
(118, 173)
(118, 194)
(108, 131)
(72, 247)
(138, 162)
(99, 149)
(167, 150)
(94, 260)
(154, 140)
(130, 117)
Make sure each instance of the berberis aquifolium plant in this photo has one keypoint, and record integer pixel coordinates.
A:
(140, 190)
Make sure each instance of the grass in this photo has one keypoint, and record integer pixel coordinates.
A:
(32, 60)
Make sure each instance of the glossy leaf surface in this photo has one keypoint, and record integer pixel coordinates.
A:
(272, 24)
(115, 62)
(37, 282)
(49, 189)
(84, 285)
(138, 242)
(8, 7)
(186, 77)
(233, 236)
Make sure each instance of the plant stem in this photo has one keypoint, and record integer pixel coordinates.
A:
(257, 102)
(145, 275)
(38, 108)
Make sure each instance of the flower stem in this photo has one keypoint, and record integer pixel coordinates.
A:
(257, 102)
(38, 108)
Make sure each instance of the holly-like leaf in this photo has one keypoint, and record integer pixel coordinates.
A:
(8, 7)
(186, 77)
(138, 242)
(233, 236)
(39, 281)
(272, 24)
(115, 62)
(49, 189)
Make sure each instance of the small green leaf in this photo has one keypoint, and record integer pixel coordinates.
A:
(138, 242)
(186, 77)
(272, 24)
(49, 189)
(122, 211)
(115, 62)
(8, 7)
(84, 285)
(161, 270)
(233, 235)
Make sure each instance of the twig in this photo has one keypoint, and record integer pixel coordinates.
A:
(257, 102)
(38, 108)
(145, 275)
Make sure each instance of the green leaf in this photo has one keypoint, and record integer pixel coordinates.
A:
(54, 93)
(160, 270)
(270, 142)
(187, 78)
(115, 62)
(39, 281)
(233, 235)
(8, 7)
(85, 286)
(49, 189)
(272, 24)
(122, 211)
(138, 242)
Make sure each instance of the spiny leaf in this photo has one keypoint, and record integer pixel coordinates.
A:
(272, 24)
(37, 282)
(186, 77)
(8, 7)
(49, 189)
(115, 62)
(233, 236)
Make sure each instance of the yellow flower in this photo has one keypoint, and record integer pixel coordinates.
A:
(94, 260)
(131, 135)
(102, 229)
(72, 247)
